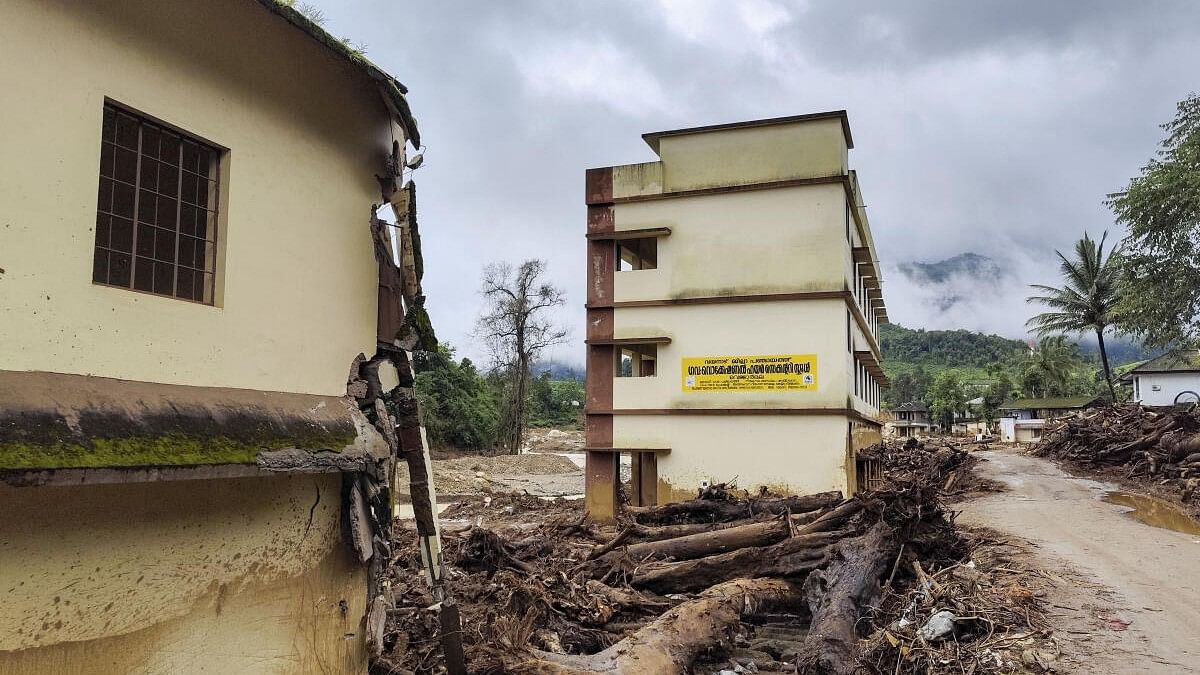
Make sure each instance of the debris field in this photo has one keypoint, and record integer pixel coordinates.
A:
(727, 583)
(1155, 447)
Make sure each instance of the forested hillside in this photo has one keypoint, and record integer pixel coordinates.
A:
(946, 348)
(915, 360)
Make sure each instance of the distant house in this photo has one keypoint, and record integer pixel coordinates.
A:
(1025, 419)
(1171, 378)
(912, 418)
(969, 422)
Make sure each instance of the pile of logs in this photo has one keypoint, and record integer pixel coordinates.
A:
(542, 592)
(1163, 444)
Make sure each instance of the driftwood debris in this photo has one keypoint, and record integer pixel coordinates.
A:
(1160, 444)
(726, 510)
(839, 595)
(669, 645)
(664, 592)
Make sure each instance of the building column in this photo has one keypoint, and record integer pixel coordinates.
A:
(644, 482)
(602, 480)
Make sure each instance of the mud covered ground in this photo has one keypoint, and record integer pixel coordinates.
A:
(1125, 594)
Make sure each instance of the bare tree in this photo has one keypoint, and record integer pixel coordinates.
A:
(517, 327)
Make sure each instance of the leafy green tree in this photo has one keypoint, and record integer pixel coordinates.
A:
(1086, 300)
(902, 391)
(458, 407)
(996, 394)
(555, 403)
(1161, 208)
(947, 398)
(1049, 369)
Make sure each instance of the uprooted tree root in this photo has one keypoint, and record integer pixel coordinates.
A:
(687, 587)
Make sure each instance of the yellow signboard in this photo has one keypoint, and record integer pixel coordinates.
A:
(781, 372)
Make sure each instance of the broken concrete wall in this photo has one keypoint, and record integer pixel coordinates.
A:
(171, 576)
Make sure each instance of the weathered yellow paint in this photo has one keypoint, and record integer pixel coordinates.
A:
(805, 149)
(306, 132)
(192, 576)
(771, 240)
(786, 453)
(785, 240)
(746, 328)
(635, 180)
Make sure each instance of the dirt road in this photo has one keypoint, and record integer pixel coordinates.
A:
(1115, 568)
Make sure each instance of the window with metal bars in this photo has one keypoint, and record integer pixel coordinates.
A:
(156, 213)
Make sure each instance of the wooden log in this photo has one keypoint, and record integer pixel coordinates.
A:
(670, 644)
(723, 540)
(723, 511)
(838, 595)
(704, 544)
(793, 557)
(643, 533)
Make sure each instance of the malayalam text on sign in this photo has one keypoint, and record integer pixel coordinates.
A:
(778, 372)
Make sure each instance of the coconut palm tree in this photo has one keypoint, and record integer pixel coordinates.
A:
(1048, 368)
(1085, 301)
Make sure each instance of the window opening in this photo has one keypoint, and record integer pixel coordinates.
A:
(638, 360)
(637, 254)
(156, 211)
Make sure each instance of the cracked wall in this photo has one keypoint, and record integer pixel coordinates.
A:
(183, 571)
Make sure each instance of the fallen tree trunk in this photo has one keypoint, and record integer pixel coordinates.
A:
(643, 533)
(839, 594)
(669, 645)
(723, 511)
(710, 543)
(793, 557)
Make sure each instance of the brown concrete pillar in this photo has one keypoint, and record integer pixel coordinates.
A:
(635, 479)
(602, 478)
(645, 478)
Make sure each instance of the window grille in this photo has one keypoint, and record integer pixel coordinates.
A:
(156, 213)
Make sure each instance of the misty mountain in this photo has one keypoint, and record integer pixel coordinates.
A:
(559, 370)
(954, 281)
(1120, 350)
(967, 264)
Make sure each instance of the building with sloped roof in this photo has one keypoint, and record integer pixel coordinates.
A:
(912, 418)
(1168, 379)
(1024, 420)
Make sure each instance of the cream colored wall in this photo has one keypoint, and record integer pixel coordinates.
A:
(179, 577)
(306, 133)
(815, 148)
(740, 243)
(736, 329)
(792, 454)
(635, 180)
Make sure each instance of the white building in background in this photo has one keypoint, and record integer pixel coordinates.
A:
(1024, 420)
(1171, 378)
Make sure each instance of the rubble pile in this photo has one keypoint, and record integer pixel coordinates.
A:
(1154, 444)
(727, 582)
(983, 613)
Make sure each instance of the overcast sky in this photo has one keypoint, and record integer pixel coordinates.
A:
(985, 126)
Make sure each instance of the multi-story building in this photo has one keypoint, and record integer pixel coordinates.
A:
(733, 303)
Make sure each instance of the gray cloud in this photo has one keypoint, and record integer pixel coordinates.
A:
(994, 127)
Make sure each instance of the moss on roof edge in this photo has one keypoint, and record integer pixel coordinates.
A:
(391, 87)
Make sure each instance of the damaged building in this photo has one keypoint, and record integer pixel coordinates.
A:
(204, 382)
(734, 299)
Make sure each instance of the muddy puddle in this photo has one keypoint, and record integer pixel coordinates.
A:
(1156, 512)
